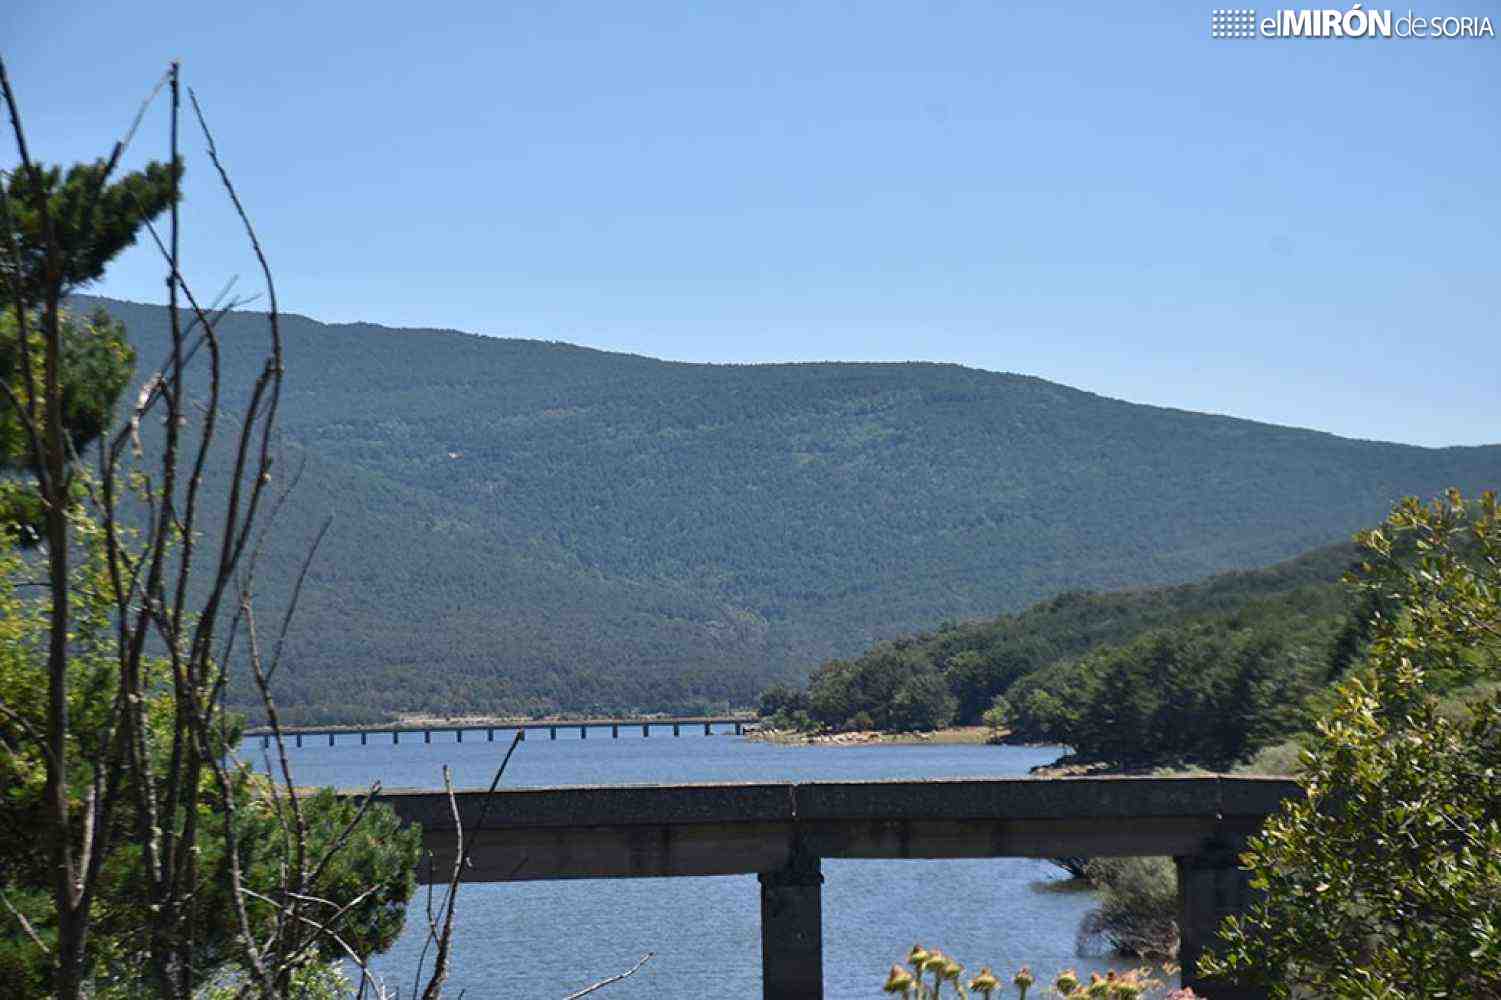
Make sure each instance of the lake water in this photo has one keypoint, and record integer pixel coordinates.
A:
(546, 939)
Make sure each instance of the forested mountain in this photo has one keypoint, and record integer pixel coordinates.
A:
(529, 526)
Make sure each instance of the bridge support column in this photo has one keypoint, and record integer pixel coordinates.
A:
(708, 729)
(676, 729)
(395, 736)
(646, 730)
(792, 931)
(1211, 886)
(489, 735)
(552, 732)
(363, 737)
(330, 739)
(299, 739)
(614, 731)
(739, 729)
(583, 732)
(265, 742)
(427, 736)
(460, 734)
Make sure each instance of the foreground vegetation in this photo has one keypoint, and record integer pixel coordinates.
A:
(1385, 880)
(138, 857)
(948, 979)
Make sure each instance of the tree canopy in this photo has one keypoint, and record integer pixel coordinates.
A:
(92, 221)
(1384, 881)
(88, 221)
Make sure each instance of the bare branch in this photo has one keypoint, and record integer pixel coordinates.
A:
(27, 730)
(349, 952)
(613, 979)
(445, 939)
(26, 927)
(286, 620)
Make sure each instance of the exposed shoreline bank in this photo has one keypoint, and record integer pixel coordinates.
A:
(973, 735)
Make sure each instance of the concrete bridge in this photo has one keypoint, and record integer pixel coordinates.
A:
(551, 726)
(780, 831)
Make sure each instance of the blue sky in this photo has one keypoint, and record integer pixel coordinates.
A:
(1300, 232)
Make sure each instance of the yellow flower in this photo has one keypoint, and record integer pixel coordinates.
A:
(1098, 987)
(917, 957)
(951, 970)
(1067, 982)
(1023, 981)
(936, 961)
(899, 981)
(985, 982)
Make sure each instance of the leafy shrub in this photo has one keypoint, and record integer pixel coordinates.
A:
(1138, 908)
(1384, 880)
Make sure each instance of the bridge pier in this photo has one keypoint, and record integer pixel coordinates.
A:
(614, 731)
(677, 730)
(489, 735)
(1211, 886)
(427, 736)
(396, 736)
(363, 736)
(265, 742)
(552, 732)
(330, 739)
(708, 729)
(645, 729)
(583, 732)
(299, 739)
(792, 930)
(460, 734)
(739, 729)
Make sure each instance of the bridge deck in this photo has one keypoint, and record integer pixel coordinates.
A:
(641, 831)
(491, 727)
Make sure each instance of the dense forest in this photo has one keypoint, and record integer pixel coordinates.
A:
(533, 527)
(1202, 673)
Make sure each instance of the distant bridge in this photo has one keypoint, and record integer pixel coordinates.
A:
(677, 725)
(780, 832)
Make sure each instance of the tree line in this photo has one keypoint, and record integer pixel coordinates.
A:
(1204, 673)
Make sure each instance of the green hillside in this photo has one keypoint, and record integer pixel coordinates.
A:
(979, 659)
(537, 526)
(1231, 671)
